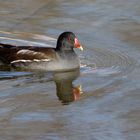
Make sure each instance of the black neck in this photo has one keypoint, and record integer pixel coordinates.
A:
(64, 46)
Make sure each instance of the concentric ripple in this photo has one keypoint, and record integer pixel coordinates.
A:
(106, 62)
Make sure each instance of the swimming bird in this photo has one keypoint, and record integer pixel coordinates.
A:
(60, 58)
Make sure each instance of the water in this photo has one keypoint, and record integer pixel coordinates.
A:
(99, 101)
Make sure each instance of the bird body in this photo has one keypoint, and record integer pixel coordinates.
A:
(60, 58)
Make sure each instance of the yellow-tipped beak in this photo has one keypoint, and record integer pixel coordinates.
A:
(81, 48)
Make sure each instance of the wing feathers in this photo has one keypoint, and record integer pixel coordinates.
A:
(29, 54)
(22, 62)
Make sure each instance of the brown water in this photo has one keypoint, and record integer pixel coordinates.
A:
(42, 105)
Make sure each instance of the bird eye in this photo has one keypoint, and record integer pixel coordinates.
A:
(70, 38)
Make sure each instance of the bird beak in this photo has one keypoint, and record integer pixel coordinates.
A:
(77, 91)
(78, 45)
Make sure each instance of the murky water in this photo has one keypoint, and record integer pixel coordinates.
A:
(98, 102)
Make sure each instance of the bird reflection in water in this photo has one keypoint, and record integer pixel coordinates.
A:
(66, 91)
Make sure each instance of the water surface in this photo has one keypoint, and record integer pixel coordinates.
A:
(99, 101)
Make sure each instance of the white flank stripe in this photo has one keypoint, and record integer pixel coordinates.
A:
(34, 60)
(41, 60)
(17, 61)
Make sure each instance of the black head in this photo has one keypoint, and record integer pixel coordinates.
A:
(67, 41)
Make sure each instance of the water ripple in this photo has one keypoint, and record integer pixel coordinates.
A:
(106, 62)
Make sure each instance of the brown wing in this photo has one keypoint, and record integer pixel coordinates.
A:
(9, 53)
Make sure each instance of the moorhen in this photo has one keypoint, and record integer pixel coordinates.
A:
(60, 58)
